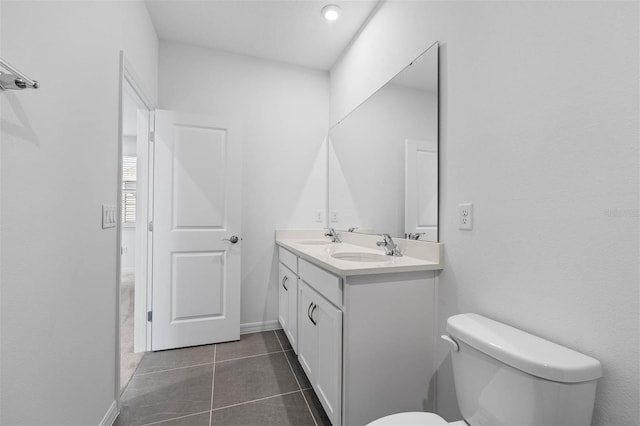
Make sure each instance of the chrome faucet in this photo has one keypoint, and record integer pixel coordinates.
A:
(390, 248)
(334, 235)
(414, 235)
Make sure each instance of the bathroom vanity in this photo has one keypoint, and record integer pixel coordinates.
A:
(361, 322)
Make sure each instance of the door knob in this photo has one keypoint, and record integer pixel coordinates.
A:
(234, 239)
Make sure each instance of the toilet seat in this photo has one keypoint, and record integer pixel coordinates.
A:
(410, 419)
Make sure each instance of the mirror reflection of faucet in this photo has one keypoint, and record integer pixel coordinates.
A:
(334, 235)
(390, 247)
(413, 235)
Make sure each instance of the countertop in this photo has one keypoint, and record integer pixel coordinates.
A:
(417, 255)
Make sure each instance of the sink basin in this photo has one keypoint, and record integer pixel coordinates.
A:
(314, 242)
(361, 257)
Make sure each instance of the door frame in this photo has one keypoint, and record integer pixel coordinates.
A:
(129, 80)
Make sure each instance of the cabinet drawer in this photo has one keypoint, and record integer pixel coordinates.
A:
(289, 259)
(323, 282)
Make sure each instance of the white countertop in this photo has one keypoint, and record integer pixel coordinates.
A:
(417, 255)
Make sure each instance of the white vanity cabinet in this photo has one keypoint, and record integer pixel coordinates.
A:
(366, 342)
(320, 348)
(288, 296)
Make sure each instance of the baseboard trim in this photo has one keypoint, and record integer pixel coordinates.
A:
(254, 327)
(111, 415)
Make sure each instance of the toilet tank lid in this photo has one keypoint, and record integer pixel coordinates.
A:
(524, 351)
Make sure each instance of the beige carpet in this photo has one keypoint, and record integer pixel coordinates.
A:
(128, 360)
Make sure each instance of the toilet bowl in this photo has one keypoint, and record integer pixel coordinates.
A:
(505, 376)
(414, 419)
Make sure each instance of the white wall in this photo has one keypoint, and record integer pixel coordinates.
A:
(539, 129)
(58, 308)
(284, 111)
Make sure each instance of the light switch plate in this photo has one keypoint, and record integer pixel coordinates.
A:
(465, 216)
(109, 216)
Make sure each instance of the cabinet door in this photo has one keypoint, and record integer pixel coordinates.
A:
(328, 378)
(283, 298)
(292, 330)
(307, 331)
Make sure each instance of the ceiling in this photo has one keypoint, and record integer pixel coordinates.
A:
(289, 31)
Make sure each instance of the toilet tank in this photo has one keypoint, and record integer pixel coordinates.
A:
(505, 376)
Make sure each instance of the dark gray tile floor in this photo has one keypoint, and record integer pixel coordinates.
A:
(255, 381)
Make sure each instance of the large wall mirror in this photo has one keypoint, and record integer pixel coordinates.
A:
(383, 157)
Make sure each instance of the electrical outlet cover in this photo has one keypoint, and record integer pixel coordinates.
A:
(465, 216)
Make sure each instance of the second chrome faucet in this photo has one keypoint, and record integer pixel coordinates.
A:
(390, 247)
(334, 235)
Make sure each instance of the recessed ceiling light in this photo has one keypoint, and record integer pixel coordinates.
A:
(331, 12)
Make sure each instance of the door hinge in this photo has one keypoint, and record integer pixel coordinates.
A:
(152, 136)
(149, 316)
(151, 226)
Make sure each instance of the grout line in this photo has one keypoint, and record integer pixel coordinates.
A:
(309, 408)
(277, 338)
(250, 356)
(296, 378)
(175, 368)
(254, 400)
(174, 418)
(289, 363)
(280, 341)
(213, 383)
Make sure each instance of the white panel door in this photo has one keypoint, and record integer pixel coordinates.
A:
(292, 329)
(421, 188)
(307, 331)
(288, 305)
(328, 379)
(196, 268)
(283, 297)
(143, 238)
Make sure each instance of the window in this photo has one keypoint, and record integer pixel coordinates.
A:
(129, 190)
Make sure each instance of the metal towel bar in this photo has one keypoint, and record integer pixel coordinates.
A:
(15, 79)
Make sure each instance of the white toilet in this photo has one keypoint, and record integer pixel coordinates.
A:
(506, 377)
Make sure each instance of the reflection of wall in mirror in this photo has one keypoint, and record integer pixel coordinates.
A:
(421, 189)
(368, 157)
